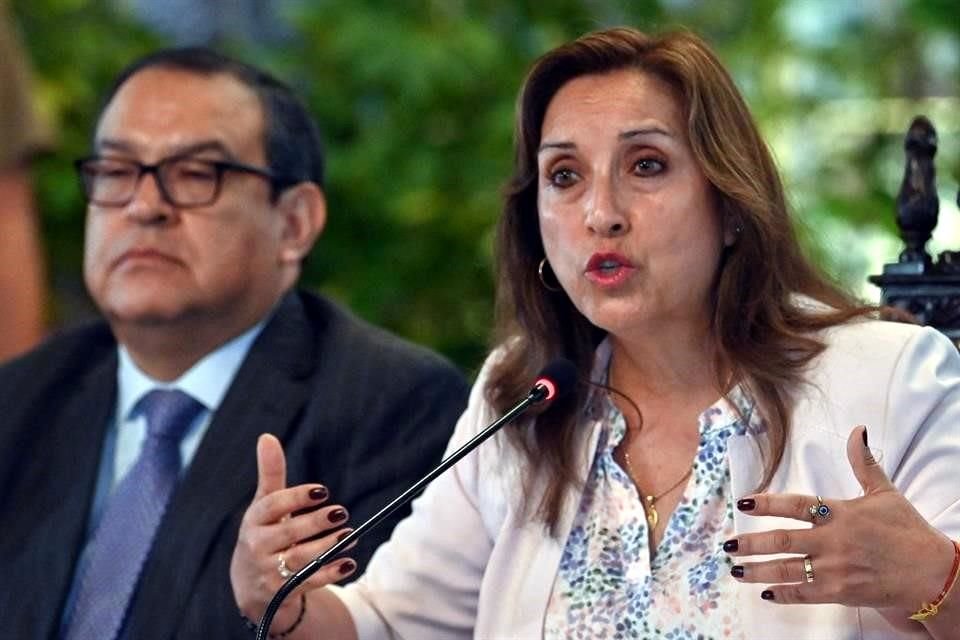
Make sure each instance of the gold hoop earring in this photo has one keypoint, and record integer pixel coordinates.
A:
(540, 269)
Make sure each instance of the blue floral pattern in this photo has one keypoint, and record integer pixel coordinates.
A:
(607, 586)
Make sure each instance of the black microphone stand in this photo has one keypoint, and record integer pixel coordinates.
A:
(536, 395)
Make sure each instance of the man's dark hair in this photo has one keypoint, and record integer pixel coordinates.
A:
(292, 143)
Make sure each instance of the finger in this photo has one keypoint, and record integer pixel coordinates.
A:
(283, 534)
(865, 467)
(798, 541)
(806, 593)
(271, 465)
(330, 573)
(279, 504)
(786, 571)
(784, 505)
(299, 555)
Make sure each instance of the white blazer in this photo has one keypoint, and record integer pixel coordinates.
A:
(465, 564)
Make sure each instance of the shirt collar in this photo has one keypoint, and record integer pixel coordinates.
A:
(207, 380)
(737, 407)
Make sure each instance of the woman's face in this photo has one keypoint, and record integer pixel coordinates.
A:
(628, 220)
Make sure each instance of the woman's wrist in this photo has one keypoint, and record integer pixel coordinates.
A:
(287, 629)
(945, 579)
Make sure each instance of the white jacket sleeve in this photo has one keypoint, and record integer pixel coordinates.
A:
(424, 582)
(924, 394)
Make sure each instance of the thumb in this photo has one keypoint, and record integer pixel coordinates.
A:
(271, 465)
(865, 467)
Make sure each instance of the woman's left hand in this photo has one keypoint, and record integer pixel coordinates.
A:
(873, 551)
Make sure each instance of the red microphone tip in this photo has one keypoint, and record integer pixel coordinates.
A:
(551, 388)
(556, 379)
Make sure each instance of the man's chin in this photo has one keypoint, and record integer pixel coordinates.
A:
(145, 314)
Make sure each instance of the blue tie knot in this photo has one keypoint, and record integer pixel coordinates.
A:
(169, 412)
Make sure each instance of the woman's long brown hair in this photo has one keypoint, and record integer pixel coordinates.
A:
(764, 336)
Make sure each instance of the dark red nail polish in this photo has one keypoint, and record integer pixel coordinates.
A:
(736, 571)
(347, 567)
(343, 534)
(865, 443)
(731, 545)
(767, 595)
(746, 504)
(318, 493)
(337, 515)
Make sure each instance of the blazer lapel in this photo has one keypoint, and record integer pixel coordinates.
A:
(267, 394)
(62, 490)
(746, 470)
(809, 463)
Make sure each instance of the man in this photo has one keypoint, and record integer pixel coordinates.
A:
(205, 191)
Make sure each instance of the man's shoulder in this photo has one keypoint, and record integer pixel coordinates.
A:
(65, 353)
(342, 331)
(369, 367)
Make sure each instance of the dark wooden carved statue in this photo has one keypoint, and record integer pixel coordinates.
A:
(927, 289)
(917, 202)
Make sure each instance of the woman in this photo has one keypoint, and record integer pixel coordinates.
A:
(709, 478)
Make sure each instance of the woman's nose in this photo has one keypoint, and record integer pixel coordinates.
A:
(606, 216)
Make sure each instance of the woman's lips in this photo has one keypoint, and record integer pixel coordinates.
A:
(609, 269)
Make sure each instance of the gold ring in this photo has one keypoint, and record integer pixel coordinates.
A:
(807, 569)
(282, 567)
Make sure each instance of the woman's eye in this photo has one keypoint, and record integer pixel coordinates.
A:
(648, 167)
(562, 177)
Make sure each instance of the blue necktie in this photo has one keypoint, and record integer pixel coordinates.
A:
(121, 542)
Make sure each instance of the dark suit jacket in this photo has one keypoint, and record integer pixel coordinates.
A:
(356, 409)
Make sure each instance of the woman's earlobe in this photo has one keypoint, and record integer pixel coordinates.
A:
(731, 232)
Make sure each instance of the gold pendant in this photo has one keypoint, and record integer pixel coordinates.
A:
(652, 516)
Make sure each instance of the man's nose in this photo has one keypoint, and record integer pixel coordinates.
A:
(149, 204)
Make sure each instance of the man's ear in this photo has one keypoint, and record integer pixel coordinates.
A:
(304, 211)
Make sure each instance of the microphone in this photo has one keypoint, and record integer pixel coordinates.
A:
(554, 381)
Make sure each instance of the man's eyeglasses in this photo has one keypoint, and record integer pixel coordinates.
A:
(182, 181)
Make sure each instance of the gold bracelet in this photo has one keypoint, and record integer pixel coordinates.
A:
(928, 610)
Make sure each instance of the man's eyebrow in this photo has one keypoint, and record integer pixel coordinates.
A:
(112, 145)
(193, 148)
(202, 146)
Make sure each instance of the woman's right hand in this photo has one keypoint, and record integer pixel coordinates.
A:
(272, 538)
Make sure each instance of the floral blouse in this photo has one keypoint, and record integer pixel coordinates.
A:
(607, 586)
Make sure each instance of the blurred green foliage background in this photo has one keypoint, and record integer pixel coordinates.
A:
(416, 103)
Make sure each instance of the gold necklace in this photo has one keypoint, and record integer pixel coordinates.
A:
(651, 500)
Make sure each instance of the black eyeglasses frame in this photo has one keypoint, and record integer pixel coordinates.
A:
(277, 183)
